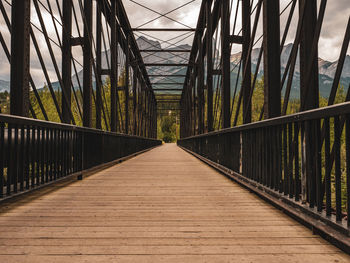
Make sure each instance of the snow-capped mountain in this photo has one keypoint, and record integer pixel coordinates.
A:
(326, 69)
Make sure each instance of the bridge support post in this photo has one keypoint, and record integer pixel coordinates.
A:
(98, 64)
(151, 119)
(150, 122)
(126, 88)
(66, 60)
(147, 114)
(139, 109)
(143, 107)
(150, 116)
(183, 104)
(144, 112)
(200, 86)
(143, 127)
(225, 64)
(246, 59)
(194, 104)
(134, 101)
(246, 84)
(20, 58)
(309, 99)
(87, 65)
(114, 67)
(190, 109)
(155, 119)
(272, 84)
(272, 64)
(209, 54)
(186, 115)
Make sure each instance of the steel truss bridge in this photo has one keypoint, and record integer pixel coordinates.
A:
(288, 196)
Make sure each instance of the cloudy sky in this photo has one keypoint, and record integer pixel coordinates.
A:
(336, 17)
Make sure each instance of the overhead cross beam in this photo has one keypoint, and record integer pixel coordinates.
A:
(162, 15)
(122, 30)
(165, 29)
(166, 83)
(165, 50)
(166, 64)
(167, 76)
(167, 89)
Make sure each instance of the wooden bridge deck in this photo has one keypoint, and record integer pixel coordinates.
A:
(161, 206)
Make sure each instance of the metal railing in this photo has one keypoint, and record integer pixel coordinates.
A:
(304, 157)
(34, 153)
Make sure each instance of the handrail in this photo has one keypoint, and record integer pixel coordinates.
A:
(6, 118)
(328, 111)
(35, 153)
(302, 157)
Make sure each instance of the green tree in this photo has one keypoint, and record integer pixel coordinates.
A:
(168, 128)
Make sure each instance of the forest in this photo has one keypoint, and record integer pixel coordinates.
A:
(168, 123)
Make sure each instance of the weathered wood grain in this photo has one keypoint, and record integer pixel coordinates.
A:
(161, 206)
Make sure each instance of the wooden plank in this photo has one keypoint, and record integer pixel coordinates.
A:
(305, 258)
(161, 241)
(162, 206)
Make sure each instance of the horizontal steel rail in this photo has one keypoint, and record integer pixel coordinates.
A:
(274, 154)
(34, 153)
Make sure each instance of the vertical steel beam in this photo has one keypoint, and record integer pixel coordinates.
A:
(188, 112)
(98, 64)
(149, 115)
(139, 102)
(142, 104)
(20, 58)
(134, 90)
(246, 59)
(309, 85)
(200, 86)
(139, 106)
(183, 105)
(190, 108)
(144, 112)
(151, 119)
(272, 64)
(87, 65)
(66, 60)
(310, 101)
(126, 90)
(209, 55)
(114, 67)
(194, 104)
(155, 119)
(225, 64)
(183, 119)
(182, 113)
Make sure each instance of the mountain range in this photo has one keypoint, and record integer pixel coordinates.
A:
(326, 69)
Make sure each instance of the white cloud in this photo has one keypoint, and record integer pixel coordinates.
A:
(337, 14)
